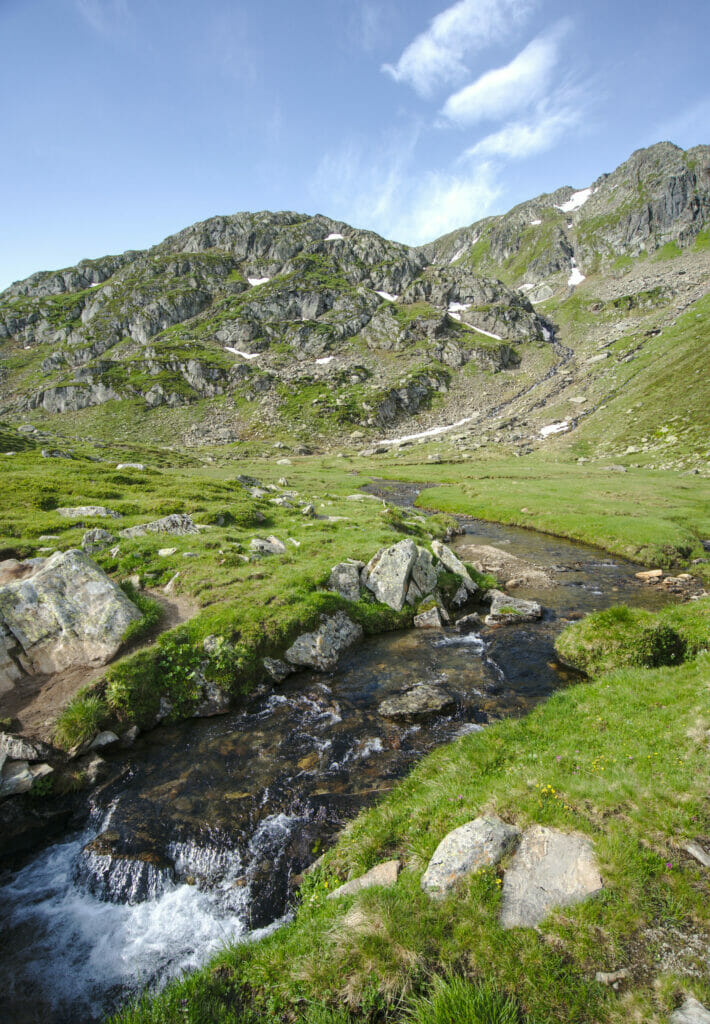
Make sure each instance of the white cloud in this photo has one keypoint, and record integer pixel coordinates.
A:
(380, 191)
(519, 139)
(436, 55)
(499, 92)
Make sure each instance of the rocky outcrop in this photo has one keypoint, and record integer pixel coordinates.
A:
(178, 524)
(322, 648)
(66, 613)
(550, 869)
(477, 844)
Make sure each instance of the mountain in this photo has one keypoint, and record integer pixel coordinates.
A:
(282, 326)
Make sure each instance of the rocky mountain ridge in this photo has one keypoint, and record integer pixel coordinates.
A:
(280, 324)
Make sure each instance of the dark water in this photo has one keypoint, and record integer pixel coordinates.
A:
(197, 837)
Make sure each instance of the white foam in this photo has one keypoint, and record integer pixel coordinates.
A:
(555, 428)
(256, 281)
(334, 237)
(324, 360)
(244, 355)
(388, 296)
(534, 223)
(576, 200)
(547, 334)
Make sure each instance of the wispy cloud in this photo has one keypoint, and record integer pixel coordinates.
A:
(381, 191)
(550, 121)
(368, 24)
(502, 91)
(689, 127)
(436, 56)
(105, 16)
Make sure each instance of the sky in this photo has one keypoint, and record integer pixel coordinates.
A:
(124, 121)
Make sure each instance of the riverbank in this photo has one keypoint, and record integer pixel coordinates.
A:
(622, 760)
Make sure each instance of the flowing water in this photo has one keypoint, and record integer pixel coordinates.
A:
(198, 834)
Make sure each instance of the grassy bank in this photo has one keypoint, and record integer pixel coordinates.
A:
(623, 760)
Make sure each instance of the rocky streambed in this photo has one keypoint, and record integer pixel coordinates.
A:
(199, 833)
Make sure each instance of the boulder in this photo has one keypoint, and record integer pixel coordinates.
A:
(16, 749)
(477, 844)
(469, 623)
(695, 850)
(322, 648)
(385, 874)
(506, 609)
(344, 579)
(422, 701)
(449, 560)
(96, 540)
(270, 546)
(18, 776)
(430, 619)
(550, 869)
(691, 1012)
(424, 572)
(215, 701)
(87, 512)
(67, 613)
(387, 574)
(178, 523)
(104, 740)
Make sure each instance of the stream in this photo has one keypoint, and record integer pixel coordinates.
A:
(198, 835)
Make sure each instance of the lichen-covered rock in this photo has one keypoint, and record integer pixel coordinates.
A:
(506, 609)
(96, 540)
(178, 523)
(550, 869)
(322, 648)
(387, 574)
(424, 572)
(421, 701)
(430, 619)
(344, 579)
(691, 1012)
(67, 613)
(477, 844)
(454, 564)
(277, 669)
(87, 512)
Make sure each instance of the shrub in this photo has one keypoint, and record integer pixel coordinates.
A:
(660, 644)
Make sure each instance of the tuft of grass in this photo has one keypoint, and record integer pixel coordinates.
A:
(455, 1000)
(81, 719)
(152, 613)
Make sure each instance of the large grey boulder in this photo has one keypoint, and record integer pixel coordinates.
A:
(691, 1012)
(550, 869)
(506, 609)
(422, 701)
(385, 874)
(15, 748)
(387, 574)
(424, 572)
(477, 844)
(67, 613)
(450, 561)
(322, 648)
(344, 579)
(178, 523)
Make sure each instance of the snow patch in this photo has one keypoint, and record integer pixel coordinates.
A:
(334, 237)
(459, 307)
(254, 281)
(457, 255)
(432, 432)
(576, 277)
(534, 223)
(555, 428)
(244, 355)
(576, 200)
(387, 296)
(488, 334)
(324, 360)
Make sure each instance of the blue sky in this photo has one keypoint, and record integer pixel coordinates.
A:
(126, 120)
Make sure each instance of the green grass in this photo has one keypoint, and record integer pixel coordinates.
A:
(80, 720)
(624, 636)
(622, 760)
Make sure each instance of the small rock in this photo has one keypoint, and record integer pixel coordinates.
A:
(421, 701)
(87, 511)
(282, 481)
(385, 874)
(96, 540)
(104, 740)
(506, 609)
(178, 524)
(171, 586)
(277, 669)
(308, 510)
(469, 623)
(696, 851)
(344, 579)
(322, 648)
(166, 552)
(130, 465)
(691, 1012)
(283, 462)
(477, 844)
(650, 575)
(270, 546)
(611, 977)
(129, 737)
(550, 869)
(430, 619)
